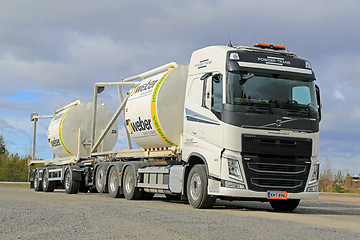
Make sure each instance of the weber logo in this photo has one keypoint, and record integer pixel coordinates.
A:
(140, 125)
(146, 86)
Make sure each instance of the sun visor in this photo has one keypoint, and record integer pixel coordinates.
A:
(268, 63)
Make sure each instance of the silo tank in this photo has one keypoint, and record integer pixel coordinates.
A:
(155, 109)
(64, 129)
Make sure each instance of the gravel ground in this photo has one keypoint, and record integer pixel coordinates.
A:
(26, 214)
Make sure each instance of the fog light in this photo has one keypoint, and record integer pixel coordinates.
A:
(229, 184)
(313, 189)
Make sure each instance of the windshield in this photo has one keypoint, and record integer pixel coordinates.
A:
(245, 88)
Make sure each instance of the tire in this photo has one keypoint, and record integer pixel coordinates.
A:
(48, 186)
(100, 180)
(130, 191)
(197, 188)
(37, 182)
(71, 186)
(115, 191)
(284, 205)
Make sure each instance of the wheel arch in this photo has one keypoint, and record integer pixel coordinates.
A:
(193, 159)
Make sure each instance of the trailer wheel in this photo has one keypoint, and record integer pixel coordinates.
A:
(115, 190)
(48, 186)
(197, 188)
(284, 205)
(130, 191)
(71, 186)
(37, 182)
(100, 180)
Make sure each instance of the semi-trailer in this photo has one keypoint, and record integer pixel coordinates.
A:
(236, 123)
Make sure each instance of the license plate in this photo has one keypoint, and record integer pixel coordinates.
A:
(276, 195)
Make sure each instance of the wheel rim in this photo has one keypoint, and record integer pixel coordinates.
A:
(195, 186)
(67, 180)
(36, 180)
(113, 179)
(44, 180)
(100, 176)
(129, 182)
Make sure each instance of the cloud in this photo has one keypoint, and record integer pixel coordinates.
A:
(51, 53)
(339, 95)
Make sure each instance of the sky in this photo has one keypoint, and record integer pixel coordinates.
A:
(52, 53)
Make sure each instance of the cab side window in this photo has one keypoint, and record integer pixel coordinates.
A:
(212, 92)
(217, 93)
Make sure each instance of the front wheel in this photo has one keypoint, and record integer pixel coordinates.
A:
(284, 205)
(197, 188)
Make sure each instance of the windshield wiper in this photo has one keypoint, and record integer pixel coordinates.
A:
(257, 107)
(294, 108)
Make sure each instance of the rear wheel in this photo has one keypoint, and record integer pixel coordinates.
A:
(100, 179)
(197, 188)
(48, 186)
(71, 186)
(37, 182)
(284, 205)
(130, 191)
(115, 190)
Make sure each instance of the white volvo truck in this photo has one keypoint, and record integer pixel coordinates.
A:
(236, 123)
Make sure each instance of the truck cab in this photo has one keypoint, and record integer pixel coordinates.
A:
(251, 117)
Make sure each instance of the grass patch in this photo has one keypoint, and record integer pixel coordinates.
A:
(15, 185)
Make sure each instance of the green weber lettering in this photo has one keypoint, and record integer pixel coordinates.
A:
(141, 125)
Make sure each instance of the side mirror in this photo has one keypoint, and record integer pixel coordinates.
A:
(318, 101)
(205, 76)
(217, 77)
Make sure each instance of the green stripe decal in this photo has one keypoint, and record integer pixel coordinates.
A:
(153, 108)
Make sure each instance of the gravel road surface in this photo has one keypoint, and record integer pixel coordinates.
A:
(26, 214)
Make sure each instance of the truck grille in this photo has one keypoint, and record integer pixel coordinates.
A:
(278, 165)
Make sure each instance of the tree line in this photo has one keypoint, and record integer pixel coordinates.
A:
(13, 168)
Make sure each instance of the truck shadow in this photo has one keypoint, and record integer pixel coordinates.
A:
(305, 207)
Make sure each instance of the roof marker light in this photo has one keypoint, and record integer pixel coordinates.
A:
(274, 47)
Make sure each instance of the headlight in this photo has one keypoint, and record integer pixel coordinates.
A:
(234, 169)
(315, 174)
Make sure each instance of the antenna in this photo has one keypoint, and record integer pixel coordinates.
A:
(230, 44)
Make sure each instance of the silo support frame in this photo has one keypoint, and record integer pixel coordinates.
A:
(126, 82)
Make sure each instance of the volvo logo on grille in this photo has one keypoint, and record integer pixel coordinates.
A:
(278, 122)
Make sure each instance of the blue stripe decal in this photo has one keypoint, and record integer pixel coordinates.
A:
(195, 117)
